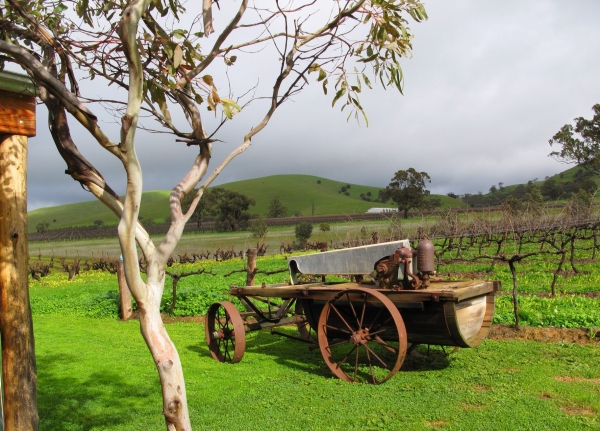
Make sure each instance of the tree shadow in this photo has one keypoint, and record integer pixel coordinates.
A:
(100, 400)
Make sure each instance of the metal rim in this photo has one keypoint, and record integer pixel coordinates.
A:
(362, 336)
(225, 332)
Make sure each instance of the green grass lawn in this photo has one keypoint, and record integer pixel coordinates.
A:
(96, 374)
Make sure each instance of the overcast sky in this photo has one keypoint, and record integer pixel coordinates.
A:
(488, 84)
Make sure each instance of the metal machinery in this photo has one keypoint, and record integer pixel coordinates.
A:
(364, 327)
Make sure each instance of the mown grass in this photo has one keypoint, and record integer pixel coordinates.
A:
(96, 374)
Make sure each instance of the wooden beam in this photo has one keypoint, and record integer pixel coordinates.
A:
(17, 113)
(16, 328)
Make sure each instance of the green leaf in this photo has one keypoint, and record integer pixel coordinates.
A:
(169, 48)
(232, 104)
(227, 111)
(322, 75)
(59, 8)
(367, 82)
(179, 33)
(339, 94)
(370, 58)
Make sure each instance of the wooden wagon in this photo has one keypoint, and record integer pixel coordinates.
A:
(362, 328)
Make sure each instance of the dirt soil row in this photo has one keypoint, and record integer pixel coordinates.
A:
(545, 335)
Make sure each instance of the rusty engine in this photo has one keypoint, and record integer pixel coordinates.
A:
(394, 271)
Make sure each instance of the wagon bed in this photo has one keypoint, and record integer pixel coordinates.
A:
(363, 331)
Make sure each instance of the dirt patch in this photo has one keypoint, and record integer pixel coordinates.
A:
(578, 411)
(472, 407)
(481, 388)
(187, 319)
(568, 379)
(437, 424)
(546, 335)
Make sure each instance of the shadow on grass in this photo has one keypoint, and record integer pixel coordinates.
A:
(307, 358)
(100, 400)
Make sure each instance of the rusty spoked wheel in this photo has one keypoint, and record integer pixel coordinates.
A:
(305, 329)
(362, 336)
(225, 332)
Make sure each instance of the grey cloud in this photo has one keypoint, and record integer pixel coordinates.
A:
(488, 85)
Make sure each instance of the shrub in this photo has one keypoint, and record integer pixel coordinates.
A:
(303, 232)
(259, 228)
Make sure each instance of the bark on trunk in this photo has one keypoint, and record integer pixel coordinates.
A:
(515, 299)
(169, 367)
(124, 293)
(16, 328)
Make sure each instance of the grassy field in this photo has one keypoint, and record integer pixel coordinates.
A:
(194, 242)
(297, 193)
(95, 372)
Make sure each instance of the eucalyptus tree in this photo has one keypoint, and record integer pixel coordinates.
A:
(168, 64)
(408, 190)
(580, 144)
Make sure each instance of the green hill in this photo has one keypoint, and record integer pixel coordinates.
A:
(297, 193)
(155, 205)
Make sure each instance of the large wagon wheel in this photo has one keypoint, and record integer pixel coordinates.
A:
(362, 336)
(225, 332)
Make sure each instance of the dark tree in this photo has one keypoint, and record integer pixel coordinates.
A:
(551, 189)
(208, 205)
(276, 208)
(519, 192)
(407, 189)
(42, 227)
(580, 144)
(233, 213)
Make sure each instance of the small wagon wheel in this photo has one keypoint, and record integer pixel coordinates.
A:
(225, 332)
(306, 331)
(362, 336)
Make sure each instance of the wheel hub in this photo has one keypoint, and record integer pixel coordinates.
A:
(360, 337)
(223, 334)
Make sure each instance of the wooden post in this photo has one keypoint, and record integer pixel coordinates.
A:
(252, 252)
(376, 238)
(19, 374)
(124, 293)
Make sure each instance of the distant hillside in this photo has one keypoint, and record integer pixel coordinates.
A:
(555, 189)
(296, 192)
